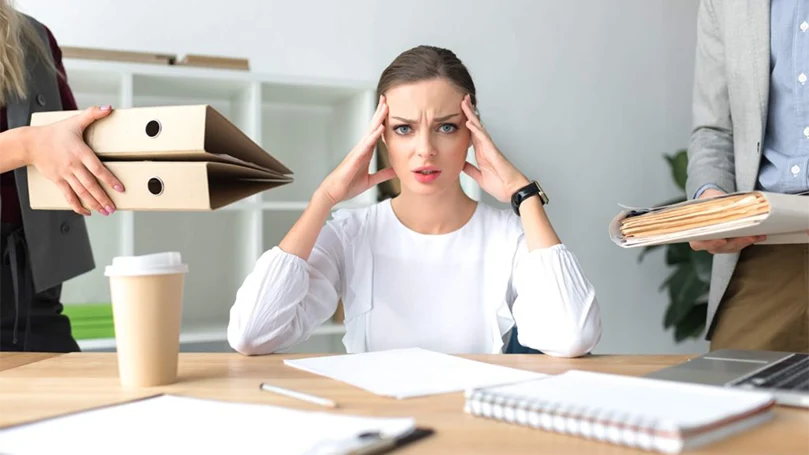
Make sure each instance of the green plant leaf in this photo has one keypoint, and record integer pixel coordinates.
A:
(679, 167)
(692, 325)
(703, 261)
(685, 290)
(668, 280)
(678, 253)
(646, 250)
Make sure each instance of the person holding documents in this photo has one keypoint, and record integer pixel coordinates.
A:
(430, 268)
(39, 250)
(751, 132)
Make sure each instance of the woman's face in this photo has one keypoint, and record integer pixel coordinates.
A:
(426, 135)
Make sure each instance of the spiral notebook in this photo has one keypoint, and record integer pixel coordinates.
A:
(649, 414)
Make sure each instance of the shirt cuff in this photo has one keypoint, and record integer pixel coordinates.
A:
(705, 187)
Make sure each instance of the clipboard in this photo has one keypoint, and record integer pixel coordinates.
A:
(374, 444)
(188, 424)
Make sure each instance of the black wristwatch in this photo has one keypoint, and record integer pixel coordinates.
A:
(532, 189)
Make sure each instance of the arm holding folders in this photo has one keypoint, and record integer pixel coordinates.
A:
(782, 218)
(179, 158)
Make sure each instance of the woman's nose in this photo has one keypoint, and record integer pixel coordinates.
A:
(425, 148)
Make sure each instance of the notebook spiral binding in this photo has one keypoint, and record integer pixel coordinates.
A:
(603, 425)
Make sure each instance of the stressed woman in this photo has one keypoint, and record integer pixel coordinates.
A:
(430, 268)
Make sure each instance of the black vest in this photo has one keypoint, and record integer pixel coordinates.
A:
(58, 244)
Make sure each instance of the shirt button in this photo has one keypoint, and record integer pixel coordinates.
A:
(795, 170)
(804, 26)
(806, 131)
(65, 228)
(40, 100)
(802, 78)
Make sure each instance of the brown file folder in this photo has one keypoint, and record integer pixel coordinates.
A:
(169, 158)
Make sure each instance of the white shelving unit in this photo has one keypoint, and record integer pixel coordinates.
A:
(308, 124)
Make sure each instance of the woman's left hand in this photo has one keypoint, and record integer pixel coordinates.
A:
(494, 173)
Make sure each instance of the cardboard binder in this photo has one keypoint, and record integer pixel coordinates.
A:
(169, 158)
(783, 218)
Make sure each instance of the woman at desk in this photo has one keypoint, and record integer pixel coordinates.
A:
(430, 268)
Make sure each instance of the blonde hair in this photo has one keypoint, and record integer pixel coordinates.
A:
(17, 34)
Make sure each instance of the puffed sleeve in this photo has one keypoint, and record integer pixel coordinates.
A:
(285, 298)
(554, 304)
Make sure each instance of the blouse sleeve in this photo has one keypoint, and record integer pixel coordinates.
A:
(285, 298)
(555, 305)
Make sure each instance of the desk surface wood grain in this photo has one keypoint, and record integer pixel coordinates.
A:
(42, 387)
(9, 360)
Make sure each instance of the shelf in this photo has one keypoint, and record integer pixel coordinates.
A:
(282, 206)
(330, 328)
(214, 245)
(308, 123)
(204, 335)
(98, 70)
(312, 134)
(107, 241)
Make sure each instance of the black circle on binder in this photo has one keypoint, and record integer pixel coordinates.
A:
(155, 186)
(153, 128)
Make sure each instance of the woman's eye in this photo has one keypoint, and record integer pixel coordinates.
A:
(448, 128)
(402, 129)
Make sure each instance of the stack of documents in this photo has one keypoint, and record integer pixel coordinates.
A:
(177, 424)
(410, 372)
(783, 218)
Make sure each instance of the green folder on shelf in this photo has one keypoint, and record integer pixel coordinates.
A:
(90, 321)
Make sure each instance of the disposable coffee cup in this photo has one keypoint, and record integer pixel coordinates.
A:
(147, 306)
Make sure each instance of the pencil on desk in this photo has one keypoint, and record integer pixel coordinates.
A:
(299, 395)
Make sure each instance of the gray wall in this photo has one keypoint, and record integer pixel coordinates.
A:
(584, 95)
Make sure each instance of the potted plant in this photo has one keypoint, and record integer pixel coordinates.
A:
(689, 281)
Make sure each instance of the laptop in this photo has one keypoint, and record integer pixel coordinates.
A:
(785, 375)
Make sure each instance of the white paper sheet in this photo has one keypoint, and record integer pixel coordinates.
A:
(174, 424)
(406, 373)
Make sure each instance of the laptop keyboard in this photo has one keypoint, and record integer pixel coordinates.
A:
(790, 374)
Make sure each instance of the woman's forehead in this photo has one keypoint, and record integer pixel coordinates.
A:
(435, 96)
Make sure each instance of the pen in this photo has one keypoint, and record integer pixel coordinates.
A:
(299, 395)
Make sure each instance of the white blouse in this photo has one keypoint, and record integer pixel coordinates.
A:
(459, 293)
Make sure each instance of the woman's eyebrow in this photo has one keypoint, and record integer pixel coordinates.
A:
(437, 119)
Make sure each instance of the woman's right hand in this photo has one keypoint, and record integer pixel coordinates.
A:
(58, 151)
(351, 177)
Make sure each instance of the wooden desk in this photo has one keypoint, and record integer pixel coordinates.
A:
(75, 381)
(9, 360)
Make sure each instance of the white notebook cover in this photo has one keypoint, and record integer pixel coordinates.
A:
(650, 414)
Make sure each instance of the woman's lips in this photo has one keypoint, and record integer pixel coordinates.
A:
(426, 174)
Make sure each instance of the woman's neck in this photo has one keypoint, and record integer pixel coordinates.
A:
(433, 214)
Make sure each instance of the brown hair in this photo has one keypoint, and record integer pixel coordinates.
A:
(18, 34)
(423, 63)
(415, 65)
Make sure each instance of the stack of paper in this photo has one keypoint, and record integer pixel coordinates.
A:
(406, 373)
(783, 218)
(175, 424)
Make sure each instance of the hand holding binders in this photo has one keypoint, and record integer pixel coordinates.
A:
(783, 218)
(180, 158)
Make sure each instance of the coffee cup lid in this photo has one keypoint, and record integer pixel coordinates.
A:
(148, 264)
